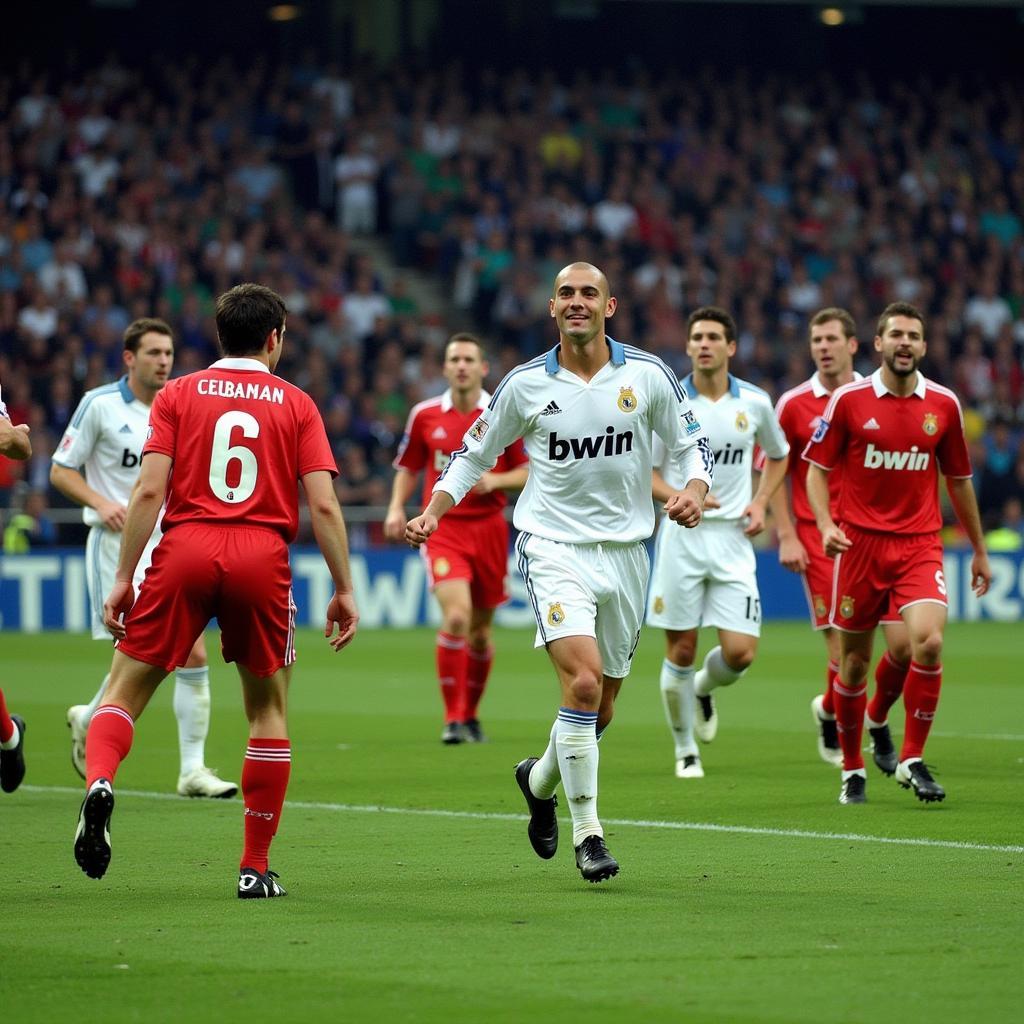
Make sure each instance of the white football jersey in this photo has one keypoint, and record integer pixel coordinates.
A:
(589, 444)
(105, 438)
(743, 416)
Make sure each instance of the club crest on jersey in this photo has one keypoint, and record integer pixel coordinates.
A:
(442, 567)
(820, 608)
(627, 400)
(846, 606)
(820, 430)
(555, 614)
(931, 423)
(742, 423)
(478, 429)
(659, 605)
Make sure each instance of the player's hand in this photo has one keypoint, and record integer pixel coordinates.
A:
(394, 524)
(117, 605)
(754, 514)
(834, 541)
(981, 574)
(710, 501)
(112, 514)
(341, 612)
(417, 530)
(484, 485)
(793, 555)
(685, 509)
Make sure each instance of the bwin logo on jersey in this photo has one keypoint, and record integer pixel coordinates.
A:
(561, 448)
(729, 456)
(877, 458)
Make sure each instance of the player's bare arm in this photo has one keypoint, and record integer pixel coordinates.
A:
(143, 512)
(73, 485)
(332, 539)
(401, 491)
(833, 540)
(965, 505)
(687, 506)
(513, 480)
(792, 554)
(14, 441)
(420, 528)
(772, 476)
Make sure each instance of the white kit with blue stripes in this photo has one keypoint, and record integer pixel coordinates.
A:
(589, 444)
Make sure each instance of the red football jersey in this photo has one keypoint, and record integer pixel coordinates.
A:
(241, 438)
(799, 411)
(891, 451)
(434, 430)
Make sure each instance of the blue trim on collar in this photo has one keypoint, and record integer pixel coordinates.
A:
(126, 392)
(691, 390)
(617, 350)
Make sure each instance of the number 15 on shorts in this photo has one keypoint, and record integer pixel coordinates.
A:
(752, 611)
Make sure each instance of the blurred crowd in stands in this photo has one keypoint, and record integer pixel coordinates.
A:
(128, 192)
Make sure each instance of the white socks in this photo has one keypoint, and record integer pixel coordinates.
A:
(678, 700)
(714, 673)
(192, 710)
(15, 736)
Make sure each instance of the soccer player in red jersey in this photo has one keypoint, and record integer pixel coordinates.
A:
(227, 448)
(467, 558)
(892, 434)
(833, 341)
(14, 444)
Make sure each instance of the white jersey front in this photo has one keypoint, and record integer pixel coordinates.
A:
(105, 438)
(589, 444)
(742, 418)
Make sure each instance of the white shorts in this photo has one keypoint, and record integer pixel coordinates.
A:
(704, 577)
(593, 590)
(102, 549)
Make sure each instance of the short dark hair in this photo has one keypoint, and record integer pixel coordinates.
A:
(716, 313)
(899, 309)
(835, 313)
(246, 315)
(466, 338)
(137, 328)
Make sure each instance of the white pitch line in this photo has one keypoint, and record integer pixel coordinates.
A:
(677, 826)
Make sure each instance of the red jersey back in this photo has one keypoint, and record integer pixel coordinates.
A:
(434, 430)
(891, 451)
(240, 438)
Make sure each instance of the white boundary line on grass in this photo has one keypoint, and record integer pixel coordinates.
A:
(678, 826)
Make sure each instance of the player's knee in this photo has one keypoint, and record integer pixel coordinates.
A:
(456, 622)
(854, 668)
(480, 639)
(682, 652)
(739, 659)
(585, 688)
(928, 649)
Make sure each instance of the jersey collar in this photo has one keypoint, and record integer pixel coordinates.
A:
(820, 391)
(691, 389)
(240, 363)
(617, 349)
(447, 404)
(126, 392)
(880, 389)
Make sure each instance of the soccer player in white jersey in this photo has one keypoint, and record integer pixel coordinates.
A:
(711, 579)
(587, 411)
(96, 464)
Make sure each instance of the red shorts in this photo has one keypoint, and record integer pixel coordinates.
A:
(239, 576)
(818, 578)
(475, 550)
(883, 572)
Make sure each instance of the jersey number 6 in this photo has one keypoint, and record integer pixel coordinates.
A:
(223, 454)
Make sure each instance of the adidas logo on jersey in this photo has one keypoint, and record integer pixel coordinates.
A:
(872, 424)
(609, 443)
(125, 429)
(551, 409)
(877, 458)
(438, 434)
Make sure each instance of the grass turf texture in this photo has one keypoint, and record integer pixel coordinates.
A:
(399, 912)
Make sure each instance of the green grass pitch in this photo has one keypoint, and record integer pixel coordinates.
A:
(414, 895)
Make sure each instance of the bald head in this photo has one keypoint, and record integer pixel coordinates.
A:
(581, 303)
(595, 273)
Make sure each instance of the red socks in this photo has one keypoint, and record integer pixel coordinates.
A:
(107, 742)
(827, 704)
(6, 725)
(920, 699)
(265, 774)
(478, 668)
(452, 670)
(889, 678)
(850, 705)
